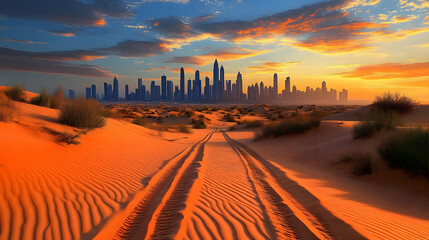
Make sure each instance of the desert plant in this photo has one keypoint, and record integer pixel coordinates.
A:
(183, 128)
(82, 113)
(57, 99)
(198, 124)
(229, 118)
(43, 99)
(408, 150)
(365, 129)
(7, 108)
(253, 123)
(394, 102)
(142, 121)
(375, 122)
(296, 124)
(363, 165)
(15, 93)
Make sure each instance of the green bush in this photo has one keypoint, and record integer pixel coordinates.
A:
(376, 121)
(394, 102)
(82, 113)
(15, 93)
(296, 124)
(7, 108)
(408, 150)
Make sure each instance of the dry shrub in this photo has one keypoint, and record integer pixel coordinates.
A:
(7, 108)
(15, 93)
(394, 102)
(82, 113)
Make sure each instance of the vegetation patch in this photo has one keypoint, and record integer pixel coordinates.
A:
(7, 108)
(51, 101)
(15, 93)
(296, 124)
(408, 150)
(394, 102)
(82, 113)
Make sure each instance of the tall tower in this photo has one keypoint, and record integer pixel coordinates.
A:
(139, 89)
(215, 80)
(222, 84)
(276, 87)
(189, 89)
(115, 89)
(106, 95)
(182, 84)
(239, 86)
(324, 90)
(287, 89)
(197, 86)
(163, 87)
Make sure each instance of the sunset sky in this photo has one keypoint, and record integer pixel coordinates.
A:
(366, 46)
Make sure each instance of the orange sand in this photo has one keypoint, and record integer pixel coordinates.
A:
(124, 181)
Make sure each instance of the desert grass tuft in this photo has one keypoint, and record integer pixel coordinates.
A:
(394, 102)
(15, 93)
(408, 150)
(296, 124)
(7, 108)
(82, 113)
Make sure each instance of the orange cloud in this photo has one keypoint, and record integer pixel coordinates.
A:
(270, 67)
(226, 54)
(389, 71)
(154, 69)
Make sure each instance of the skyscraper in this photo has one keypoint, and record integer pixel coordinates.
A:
(115, 89)
(324, 90)
(106, 93)
(215, 80)
(93, 91)
(72, 94)
(169, 96)
(207, 89)
(182, 84)
(139, 89)
(197, 86)
(88, 93)
(189, 89)
(163, 87)
(239, 86)
(222, 84)
(287, 89)
(126, 92)
(275, 87)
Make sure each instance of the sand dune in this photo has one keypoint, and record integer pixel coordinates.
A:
(124, 181)
(54, 191)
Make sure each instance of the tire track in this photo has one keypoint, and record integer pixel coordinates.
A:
(294, 212)
(159, 210)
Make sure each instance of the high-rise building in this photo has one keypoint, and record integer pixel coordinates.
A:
(215, 80)
(106, 93)
(93, 91)
(207, 89)
(109, 91)
(344, 95)
(127, 92)
(88, 93)
(169, 91)
(163, 87)
(72, 94)
(139, 89)
(324, 91)
(275, 87)
(197, 86)
(222, 84)
(189, 90)
(228, 90)
(115, 89)
(239, 86)
(182, 84)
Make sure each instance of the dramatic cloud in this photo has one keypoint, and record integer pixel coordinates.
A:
(71, 12)
(323, 27)
(131, 48)
(271, 67)
(224, 54)
(54, 62)
(155, 69)
(389, 71)
(20, 41)
(25, 61)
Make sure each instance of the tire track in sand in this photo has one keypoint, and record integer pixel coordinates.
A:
(157, 215)
(293, 210)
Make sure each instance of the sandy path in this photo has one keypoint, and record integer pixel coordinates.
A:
(221, 189)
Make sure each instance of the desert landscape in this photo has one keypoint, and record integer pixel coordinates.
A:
(190, 171)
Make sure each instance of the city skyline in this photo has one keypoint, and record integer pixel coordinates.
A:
(217, 90)
(369, 46)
